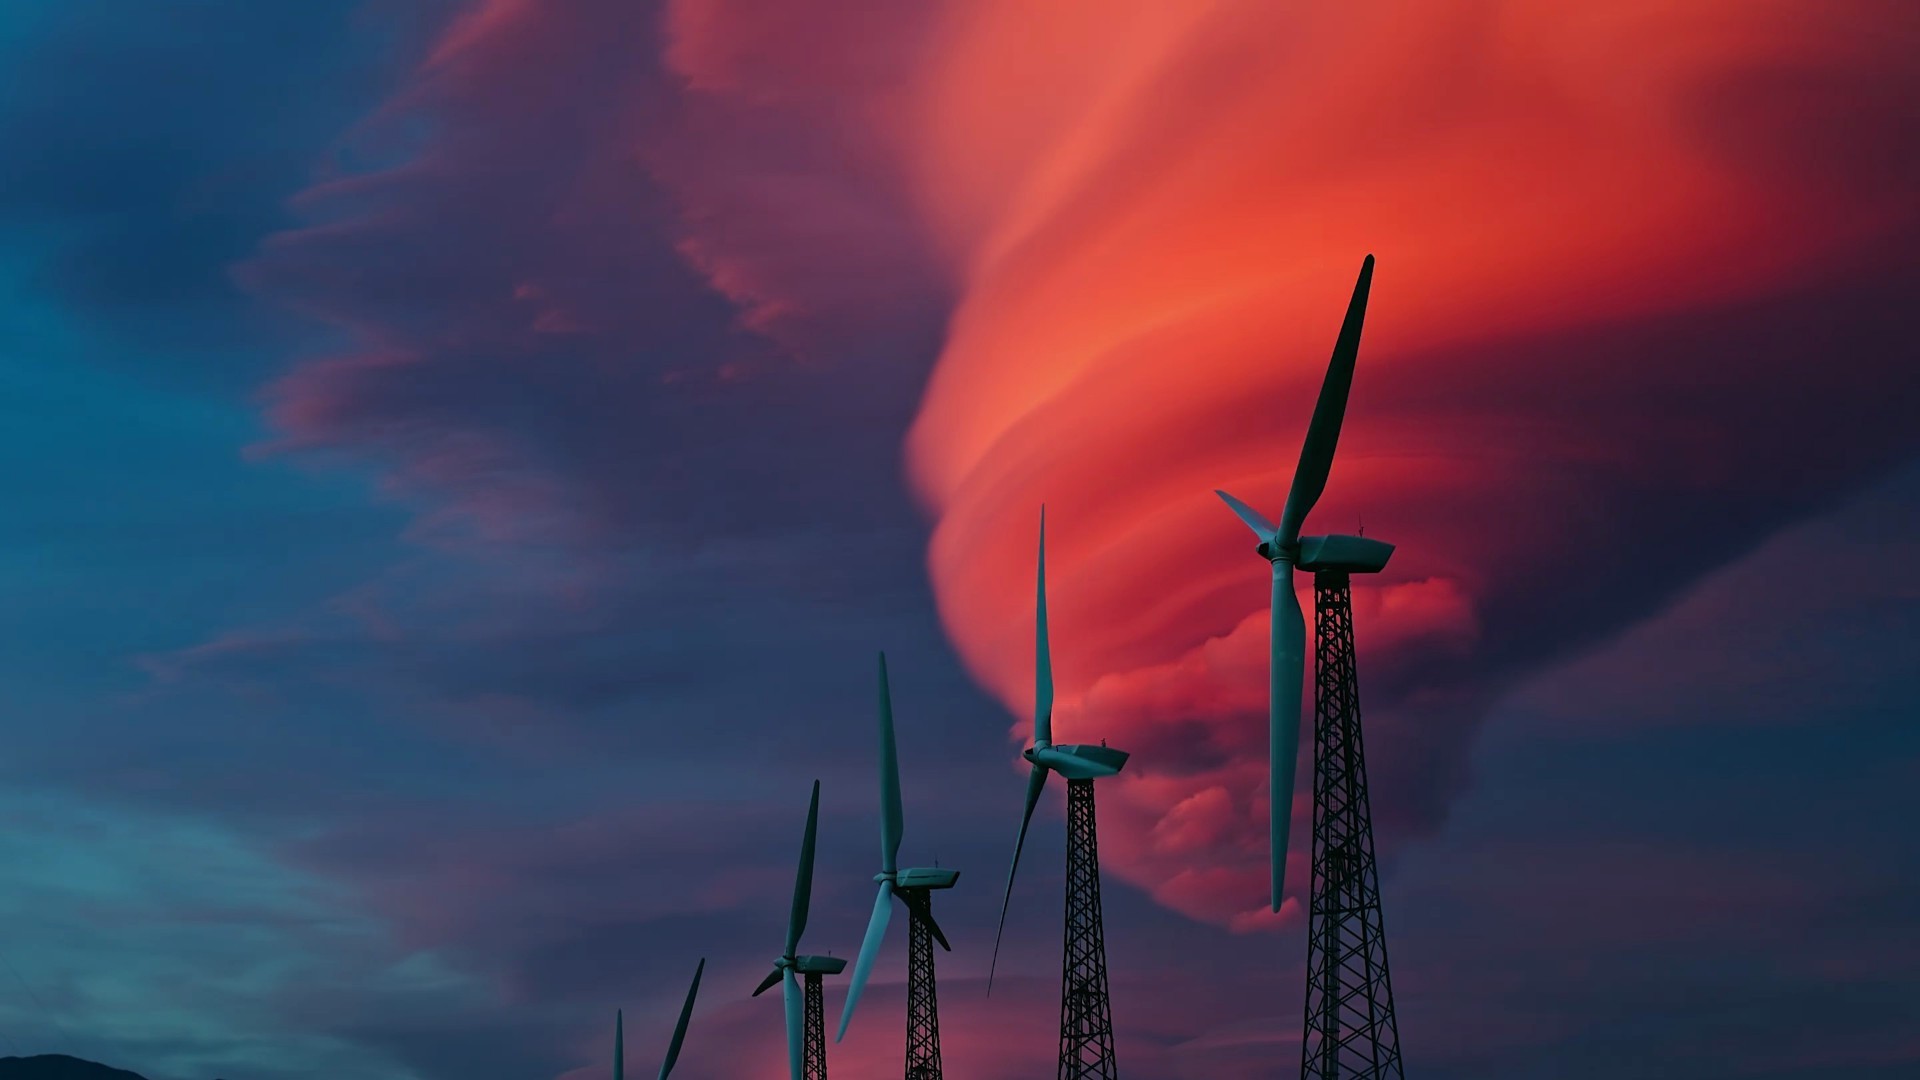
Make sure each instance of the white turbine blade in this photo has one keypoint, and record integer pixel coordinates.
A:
(869, 950)
(803, 881)
(680, 1029)
(796, 1026)
(1042, 653)
(1036, 780)
(1316, 453)
(1255, 520)
(767, 983)
(1288, 674)
(892, 820)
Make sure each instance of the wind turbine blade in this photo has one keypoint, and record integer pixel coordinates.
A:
(619, 1045)
(1316, 454)
(1036, 780)
(680, 1029)
(767, 983)
(892, 820)
(1042, 653)
(869, 950)
(1255, 520)
(796, 1025)
(803, 882)
(927, 914)
(1288, 673)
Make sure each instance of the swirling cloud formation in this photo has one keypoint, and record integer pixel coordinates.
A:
(1637, 307)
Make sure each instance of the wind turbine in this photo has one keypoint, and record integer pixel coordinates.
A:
(914, 887)
(679, 1032)
(1086, 1017)
(1284, 547)
(806, 1021)
(1351, 1031)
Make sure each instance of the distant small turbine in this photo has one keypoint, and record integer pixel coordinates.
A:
(806, 1021)
(1086, 1015)
(914, 888)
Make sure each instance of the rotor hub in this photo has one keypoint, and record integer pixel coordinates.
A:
(1280, 553)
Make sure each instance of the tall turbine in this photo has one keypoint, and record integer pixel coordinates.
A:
(1351, 1031)
(806, 1021)
(679, 1032)
(1286, 549)
(1086, 1016)
(915, 888)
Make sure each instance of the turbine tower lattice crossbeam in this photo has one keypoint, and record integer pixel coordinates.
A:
(1086, 1015)
(1350, 1032)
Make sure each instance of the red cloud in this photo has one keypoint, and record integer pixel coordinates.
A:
(1598, 360)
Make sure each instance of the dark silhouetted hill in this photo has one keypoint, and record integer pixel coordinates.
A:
(59, 1067)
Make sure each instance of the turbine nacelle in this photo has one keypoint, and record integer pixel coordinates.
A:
(1078, 762)
(926, 877)
(1352, 554)
(818, 965)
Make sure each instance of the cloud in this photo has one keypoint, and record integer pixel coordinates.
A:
(1606, 291)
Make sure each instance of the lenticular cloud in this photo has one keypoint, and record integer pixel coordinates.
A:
(1623, 250)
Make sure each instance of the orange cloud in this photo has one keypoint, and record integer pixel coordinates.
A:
(1605, 237)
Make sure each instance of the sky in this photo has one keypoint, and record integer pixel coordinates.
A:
(467, 453)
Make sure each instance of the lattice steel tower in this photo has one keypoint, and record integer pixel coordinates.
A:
(816, 1059)
(923, 1006)
(1086, 1016)
(1350, 1032)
